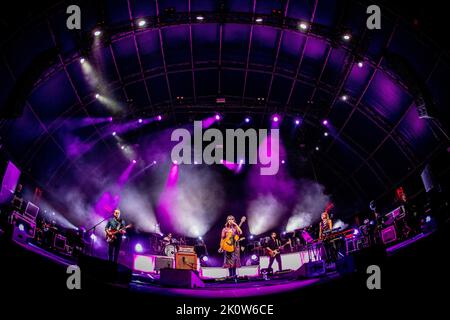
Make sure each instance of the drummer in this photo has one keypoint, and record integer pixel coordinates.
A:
(168, 239)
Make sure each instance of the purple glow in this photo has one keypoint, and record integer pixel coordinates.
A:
(355, 232)
(217, 117)
(259, 20)
(142, 23)
(247, 120)
(82, 60)
(297, 122)
(325, 134)
(275, 118)
(159, 118)
(93, 237)
(205, 259)
(283, 162)
(254, 257)
(134, 161)
(140, 120)
(21, 227)
(360, 64)
(97, 96)
(114, 133)
(347, 36)
(325, 122)
(97, 33)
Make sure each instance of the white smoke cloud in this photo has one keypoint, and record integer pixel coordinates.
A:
(199, 200)
(340, 224)
(264, 213)
(311, 202)
(137, 209)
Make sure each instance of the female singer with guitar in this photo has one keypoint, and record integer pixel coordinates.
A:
(229, 244)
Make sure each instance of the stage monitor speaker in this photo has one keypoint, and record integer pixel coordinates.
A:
(187, 261)
(163, 263)
(311, 269)
(358, 261)
(180, 279)
(99, 270)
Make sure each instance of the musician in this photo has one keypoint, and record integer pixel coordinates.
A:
(274, 244)
(325, 225)
(115, 223)
(168, 239)
(231, 260)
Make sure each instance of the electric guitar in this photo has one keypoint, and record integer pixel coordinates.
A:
(111, 234)
(227, 243)
(273, 253)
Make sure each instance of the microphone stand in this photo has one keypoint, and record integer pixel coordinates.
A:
(93, 232)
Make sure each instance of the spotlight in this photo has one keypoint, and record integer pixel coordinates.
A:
(114, 133)
(251, 237)
(82, 60)
(217, 117)
(303, 26)
(205, 258)
(97, 33)
(159, 118)
(347, 36)
(142, 23)
(195, 162)
(259, 20)
(200, 18)
(175, 161)
(138, 247)
(140, 120)
(297, 122)
(284, 232)
(344, 97)
(200, 238)
(427, 219)
(247, 120)
(122, 147)
(355, 232)
(154, 161)
(241, 161)
(360, 64)
(317, 148)
(325, 122)
(275, 118)
(93, 237)
(325, 134)
(21, 227)
(134, 161)
(254, 257)
(283, 162)
(124, 237)
(97, 96)
(110, 119)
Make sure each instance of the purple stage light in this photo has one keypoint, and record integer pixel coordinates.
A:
(205, 258)
(200, 18)
(21, 227)
(303, 26)
(254, 257)
(97, 96)
(275, 118)
(297, 122)
(134, 161)
(325, 134)
(93, 237)
(159, 118)
(114, 133)
(142, 23)
(154, 161)
(140, 120)
(325, 122)
(247, 120)
(344, 97)
(82, 60)
(360, 64)
(110, 119)
(347, 36)
(355, 232)
(259, 20)
(251, 237)
(317, 148)
(217, 117)
(97, 33)
(283, 162)
(138, 248)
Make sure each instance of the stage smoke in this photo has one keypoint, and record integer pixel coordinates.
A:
(264, 213)
(340, 224)
(311, 202)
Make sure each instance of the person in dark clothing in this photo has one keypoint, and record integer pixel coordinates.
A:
(115, 228)
(273, 246)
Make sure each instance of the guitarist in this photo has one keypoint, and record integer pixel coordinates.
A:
(114, 224)
(274, 244)
(231, 260)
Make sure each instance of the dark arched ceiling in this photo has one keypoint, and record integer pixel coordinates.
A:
(378, 139)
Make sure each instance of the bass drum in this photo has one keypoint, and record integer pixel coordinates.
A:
(170, 250)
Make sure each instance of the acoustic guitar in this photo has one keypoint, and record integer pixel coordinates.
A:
(228, 243)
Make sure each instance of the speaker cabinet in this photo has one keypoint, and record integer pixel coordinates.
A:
(99, 270)
(311, 269)
(163, 263)
(186, 261)
(180, 278)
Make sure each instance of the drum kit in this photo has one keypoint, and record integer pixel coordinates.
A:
(170, 246)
